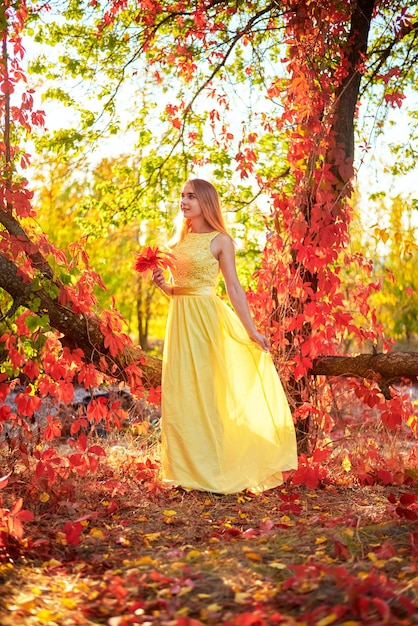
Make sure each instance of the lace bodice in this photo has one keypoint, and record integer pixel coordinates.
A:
(195, 266)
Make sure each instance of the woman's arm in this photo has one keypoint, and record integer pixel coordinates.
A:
(223, 249)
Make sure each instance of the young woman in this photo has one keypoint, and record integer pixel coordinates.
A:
(226, 424)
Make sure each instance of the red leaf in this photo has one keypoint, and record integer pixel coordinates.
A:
(93, 463)
(82, 442)
(97, 410)
(115, 343)
(26, 516)
(26, 404)
(73, 532)
(341, 549)
(406, 513)
(383, 608)
(15, 527)
(407, 498)
(98, 450)
(17, 506)
(65, 392)
(385, 476)
(75, 460)
(248, 619)
(153, 258)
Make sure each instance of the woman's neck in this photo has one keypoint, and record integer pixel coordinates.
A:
(200, 226)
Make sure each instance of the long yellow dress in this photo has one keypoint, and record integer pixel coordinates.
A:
(226, 424)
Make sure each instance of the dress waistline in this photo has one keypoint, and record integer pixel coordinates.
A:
(193, 291)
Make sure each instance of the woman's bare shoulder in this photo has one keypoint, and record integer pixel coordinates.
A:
(221, 243)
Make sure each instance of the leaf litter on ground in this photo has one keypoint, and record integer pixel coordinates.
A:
(123, 550)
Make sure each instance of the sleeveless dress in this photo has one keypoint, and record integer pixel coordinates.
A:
(226, 423)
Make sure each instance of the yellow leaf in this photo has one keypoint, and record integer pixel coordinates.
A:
(287, 548)
(144, 560)
(192, 555)
(152, 536)
(381, 234)
(277, 565)
(376, 562)
(51, 563)
(69, 603)
(346, 464)
(36, 591)
(322, 539)
(169, 512)
(253, 556)
(46, 617)
(28, 605)
(96, 532)
(44, 497)
(329, 619)
(243, 598)
(182, 611)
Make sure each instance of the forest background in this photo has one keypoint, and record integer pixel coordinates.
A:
(107, 108)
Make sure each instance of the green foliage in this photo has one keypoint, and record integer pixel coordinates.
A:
(397, 303)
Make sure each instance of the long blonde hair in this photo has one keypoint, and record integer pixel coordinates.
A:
(208, 199)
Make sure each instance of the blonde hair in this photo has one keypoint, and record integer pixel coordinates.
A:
(208, 199)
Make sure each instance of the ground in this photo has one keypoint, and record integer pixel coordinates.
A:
(135, 553)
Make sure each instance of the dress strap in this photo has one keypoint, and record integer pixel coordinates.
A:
(214, 234)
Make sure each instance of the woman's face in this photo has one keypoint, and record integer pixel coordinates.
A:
(189, 204)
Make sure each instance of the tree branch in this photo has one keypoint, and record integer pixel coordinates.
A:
(385, 369)
(79, 331)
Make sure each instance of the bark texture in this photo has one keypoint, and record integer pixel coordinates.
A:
(391, 367)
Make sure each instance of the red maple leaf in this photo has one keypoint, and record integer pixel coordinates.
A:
(151, 258)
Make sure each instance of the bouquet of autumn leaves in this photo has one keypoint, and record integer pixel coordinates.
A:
(151, 258)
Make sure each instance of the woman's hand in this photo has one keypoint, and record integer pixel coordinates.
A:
(158, 277)
(159, 280)
(262, 341)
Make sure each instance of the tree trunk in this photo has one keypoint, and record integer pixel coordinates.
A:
(80, 331)
(347, 96)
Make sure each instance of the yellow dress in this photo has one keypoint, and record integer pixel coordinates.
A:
(226, 423)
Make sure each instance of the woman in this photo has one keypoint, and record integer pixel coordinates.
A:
(226, 424)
